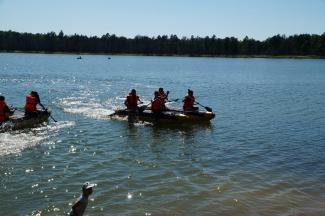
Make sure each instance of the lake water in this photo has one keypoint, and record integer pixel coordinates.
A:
(263, 154)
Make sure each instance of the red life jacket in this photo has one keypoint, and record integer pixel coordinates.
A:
(157, 104)
(132, 101)
(188, 102)
(31, 103)
(3, 114)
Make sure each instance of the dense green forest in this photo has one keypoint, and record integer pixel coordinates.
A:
(278, 45)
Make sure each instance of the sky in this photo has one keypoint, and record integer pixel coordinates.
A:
(258, 19)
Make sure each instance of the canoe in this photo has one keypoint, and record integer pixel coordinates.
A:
(19, 121)
(170, 116)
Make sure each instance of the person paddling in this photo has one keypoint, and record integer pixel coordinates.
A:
(163, 96)
(157, 104)
(79, 208)
(132, 100)
(189, 101)
(32, 99)
(5, 112)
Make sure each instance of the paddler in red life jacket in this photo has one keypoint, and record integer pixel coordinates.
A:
(163, 96)
(131, 101)
(32, 99)
(4, 110)
(157, 104)
(189, 101)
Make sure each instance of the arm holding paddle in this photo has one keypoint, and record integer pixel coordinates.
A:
(174, 100)
(209, 109)
(43, 107)
(39, 101)
(189, 102)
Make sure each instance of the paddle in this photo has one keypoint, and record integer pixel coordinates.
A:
(205, 107)
(113, 114)
(175, 100)
(143, 107)
(39, 102)
(46, 111)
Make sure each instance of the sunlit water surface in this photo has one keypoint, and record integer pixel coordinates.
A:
(263, 154)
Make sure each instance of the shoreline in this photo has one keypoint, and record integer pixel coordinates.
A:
(176, 55)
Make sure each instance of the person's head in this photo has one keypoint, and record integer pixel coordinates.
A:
(156, 94)
(87, 188)
(133, 91)
(34, 93)
(161, 90)
(2, 98)
(189, 92)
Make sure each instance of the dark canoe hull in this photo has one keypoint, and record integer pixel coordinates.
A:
(175, 116)
(19, 121)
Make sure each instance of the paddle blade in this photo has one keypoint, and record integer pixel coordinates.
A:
(208, 109)
(112, 114)
(142, 108)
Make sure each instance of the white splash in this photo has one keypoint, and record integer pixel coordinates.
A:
(14, 142)
(92, 108)
(60, 125)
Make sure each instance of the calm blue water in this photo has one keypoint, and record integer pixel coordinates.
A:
(263, 154)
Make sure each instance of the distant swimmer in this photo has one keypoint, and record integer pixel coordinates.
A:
(79, 208)
(131, 101)
(5, 111)
(189, 101)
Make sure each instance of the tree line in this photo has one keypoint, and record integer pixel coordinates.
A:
(278, 45)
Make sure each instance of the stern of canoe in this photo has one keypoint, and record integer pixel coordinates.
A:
(20, 121)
